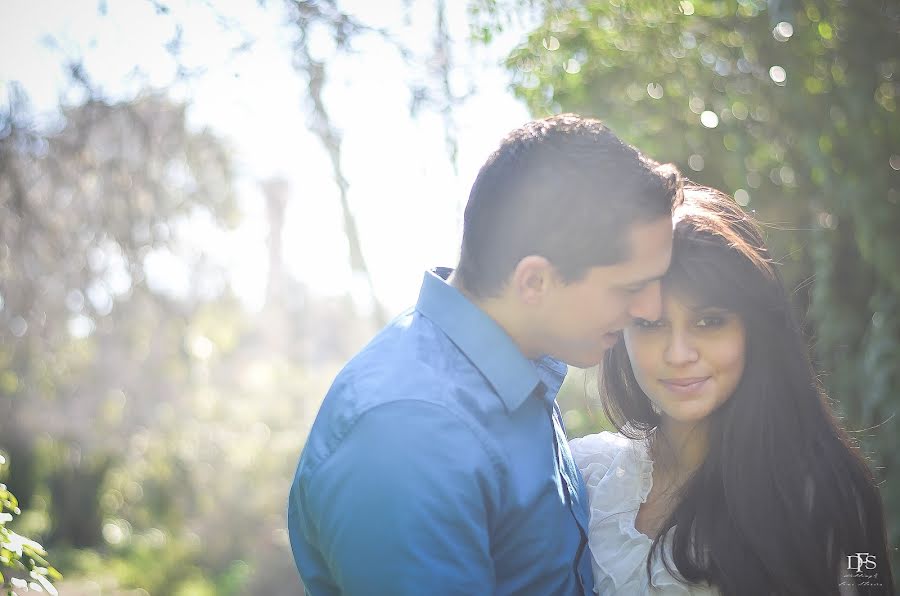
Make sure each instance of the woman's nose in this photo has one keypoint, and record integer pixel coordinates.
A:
(680, 349)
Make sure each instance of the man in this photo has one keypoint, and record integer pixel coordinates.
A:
(438, 462)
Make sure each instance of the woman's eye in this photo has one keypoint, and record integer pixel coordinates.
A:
(711, 322)
(645, 324)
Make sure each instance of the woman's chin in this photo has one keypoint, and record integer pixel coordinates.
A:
(687, 413)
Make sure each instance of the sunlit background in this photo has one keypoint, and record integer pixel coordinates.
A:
(207, 207)
(232, 63)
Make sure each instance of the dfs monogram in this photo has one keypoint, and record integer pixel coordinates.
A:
(861, 561)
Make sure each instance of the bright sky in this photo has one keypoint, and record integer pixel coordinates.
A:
(404, 194)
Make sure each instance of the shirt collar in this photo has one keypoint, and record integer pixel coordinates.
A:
(492, 351)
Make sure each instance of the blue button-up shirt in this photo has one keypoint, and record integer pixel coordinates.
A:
(438, 464)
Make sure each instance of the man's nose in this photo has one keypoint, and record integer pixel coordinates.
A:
(647, 304)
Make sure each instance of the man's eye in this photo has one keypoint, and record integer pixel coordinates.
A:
(711, 322)
(634, 289)
(645, 324)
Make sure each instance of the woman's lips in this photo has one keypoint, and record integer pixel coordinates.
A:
(684, 385)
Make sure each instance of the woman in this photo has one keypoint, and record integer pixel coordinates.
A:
(730, 474)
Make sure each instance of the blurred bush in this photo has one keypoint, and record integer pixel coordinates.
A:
(153, 435)
(23, 565)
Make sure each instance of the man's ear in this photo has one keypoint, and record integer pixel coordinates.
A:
(532, 279)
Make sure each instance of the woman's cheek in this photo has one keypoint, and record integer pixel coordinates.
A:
(643, 357)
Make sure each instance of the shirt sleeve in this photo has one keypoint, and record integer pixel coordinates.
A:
(401, 506)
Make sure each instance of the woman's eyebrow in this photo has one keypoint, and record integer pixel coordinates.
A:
(708, 308)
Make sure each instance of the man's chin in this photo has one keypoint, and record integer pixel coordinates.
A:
(589, 356)
(584, 361)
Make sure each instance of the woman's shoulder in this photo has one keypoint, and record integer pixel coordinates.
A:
(614, 467)
(595, 455)
(597, 448)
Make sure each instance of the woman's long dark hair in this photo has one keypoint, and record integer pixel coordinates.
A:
(783, 496)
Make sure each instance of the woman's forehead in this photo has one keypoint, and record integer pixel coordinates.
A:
(691, 297)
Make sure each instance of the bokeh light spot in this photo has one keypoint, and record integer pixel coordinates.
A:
(777, 74)
(783, 31)
(572, 66)
(709, 119)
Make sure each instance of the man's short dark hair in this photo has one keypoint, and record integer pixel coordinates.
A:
(565, 188)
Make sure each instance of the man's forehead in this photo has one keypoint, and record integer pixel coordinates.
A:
(648, 253)
(650, 248)
(649, 238)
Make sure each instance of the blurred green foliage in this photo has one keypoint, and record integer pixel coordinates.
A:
(790, 106)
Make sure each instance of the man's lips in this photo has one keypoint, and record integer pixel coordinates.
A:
(684, 384)
(611, 339)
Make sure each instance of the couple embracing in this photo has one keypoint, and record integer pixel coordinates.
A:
(439, 463)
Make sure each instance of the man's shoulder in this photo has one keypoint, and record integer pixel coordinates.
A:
(409, 359)
(410, 366)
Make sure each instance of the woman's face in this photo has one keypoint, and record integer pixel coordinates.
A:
(690, 361)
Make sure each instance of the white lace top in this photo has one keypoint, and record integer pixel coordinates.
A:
(618, 473)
